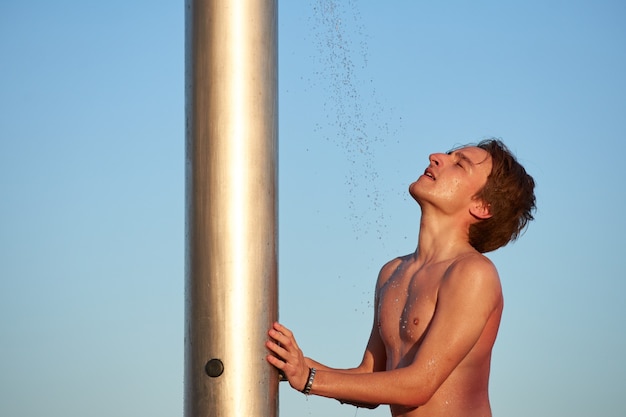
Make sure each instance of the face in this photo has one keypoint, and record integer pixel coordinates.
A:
(453, 179)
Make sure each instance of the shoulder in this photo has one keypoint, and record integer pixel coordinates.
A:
(387, 271)
(473, 276)
(475, 265)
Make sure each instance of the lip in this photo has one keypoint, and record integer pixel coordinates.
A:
(431, 174)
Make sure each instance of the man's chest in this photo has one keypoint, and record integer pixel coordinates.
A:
(406, 306)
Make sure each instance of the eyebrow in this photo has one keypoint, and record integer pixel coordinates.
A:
(463, 157)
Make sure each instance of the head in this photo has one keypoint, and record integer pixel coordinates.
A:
(509, 195)
(452, 181)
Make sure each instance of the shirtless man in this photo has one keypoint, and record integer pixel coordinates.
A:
(437, 311)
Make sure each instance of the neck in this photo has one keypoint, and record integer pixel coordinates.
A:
(441, 237)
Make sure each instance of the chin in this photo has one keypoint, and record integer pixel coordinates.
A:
(414, 191)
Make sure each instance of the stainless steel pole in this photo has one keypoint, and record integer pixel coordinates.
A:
(231, 207)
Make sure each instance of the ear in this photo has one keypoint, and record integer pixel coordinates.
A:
(480, 209)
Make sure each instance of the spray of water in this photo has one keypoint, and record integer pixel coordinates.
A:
(353, 111)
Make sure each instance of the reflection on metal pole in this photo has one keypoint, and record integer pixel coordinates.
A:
(231, 206)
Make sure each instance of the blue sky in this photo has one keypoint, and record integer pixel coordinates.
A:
(92, 184)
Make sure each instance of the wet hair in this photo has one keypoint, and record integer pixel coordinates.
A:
(509, 191)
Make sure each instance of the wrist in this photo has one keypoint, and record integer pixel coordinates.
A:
(309, 382)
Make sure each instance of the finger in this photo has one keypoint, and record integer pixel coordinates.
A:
(278, 336)
(283, 337)
(282, 353)
(276, 362)
(282, 329)
(287, 342)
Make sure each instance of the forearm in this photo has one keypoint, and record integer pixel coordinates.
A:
(389, 387)
(311, 363)
(288, 358)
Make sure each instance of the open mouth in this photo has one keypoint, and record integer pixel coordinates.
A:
(428, 173)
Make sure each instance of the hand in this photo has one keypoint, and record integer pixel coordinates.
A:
(287, 356)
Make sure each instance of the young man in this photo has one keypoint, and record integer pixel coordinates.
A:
(437, 311)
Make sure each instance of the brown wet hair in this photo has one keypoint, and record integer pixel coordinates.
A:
(509, 192)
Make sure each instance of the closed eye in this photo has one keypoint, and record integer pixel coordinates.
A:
(461, 159)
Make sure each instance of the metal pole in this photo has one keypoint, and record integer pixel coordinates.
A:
(231, 207)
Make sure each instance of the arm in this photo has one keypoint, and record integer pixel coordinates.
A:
(284, 341)
(468, 295)
(374, 357)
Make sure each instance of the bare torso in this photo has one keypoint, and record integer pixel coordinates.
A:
(407, 302)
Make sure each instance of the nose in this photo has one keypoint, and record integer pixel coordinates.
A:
(435, 159)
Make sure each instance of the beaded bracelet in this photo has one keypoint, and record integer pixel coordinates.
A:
(309, 382)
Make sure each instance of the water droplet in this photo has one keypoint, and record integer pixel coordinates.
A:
(353, 111)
